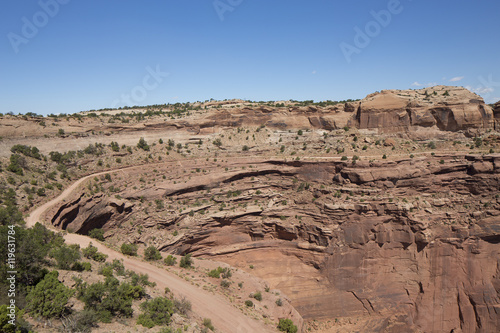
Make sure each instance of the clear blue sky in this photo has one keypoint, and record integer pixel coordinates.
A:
(89, 54)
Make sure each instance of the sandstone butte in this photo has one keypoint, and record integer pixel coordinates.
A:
(396, 245)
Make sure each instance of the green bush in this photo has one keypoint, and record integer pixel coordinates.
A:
(20, 324)
(106, 270)
(49, 297)
(27, 151)
(344, 158)
(140, 279)
(90, 252)
(170, 260)
(109, 298)
(248, 303)
(156, 312)
(129, 249)
(279, 302)
(215, 273)
(97, 233)
(258, 296)
(186, 261)
(286, 325)
(81, 266)
(152, 254)
(66, 255)
(17, 163)
(118, 267)
(208, 324)
(142, 144)
(82, 321)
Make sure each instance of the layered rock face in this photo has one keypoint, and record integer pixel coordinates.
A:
(447, 108)
(439, 108)
(427, 263)
(84, 214)
(398, 246)
(442, 108)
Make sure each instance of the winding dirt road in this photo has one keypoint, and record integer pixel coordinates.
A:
(225, 317)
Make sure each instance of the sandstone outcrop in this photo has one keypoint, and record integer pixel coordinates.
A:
(447, 108)
(435, 109)
(410, 245)
(84, 214)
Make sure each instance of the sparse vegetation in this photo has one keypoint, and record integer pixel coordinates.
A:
(129, 249)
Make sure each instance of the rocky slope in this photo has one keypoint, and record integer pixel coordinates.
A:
(401, 234)
(408, 245)
(431, 110)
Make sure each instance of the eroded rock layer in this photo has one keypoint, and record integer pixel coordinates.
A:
(409, 245)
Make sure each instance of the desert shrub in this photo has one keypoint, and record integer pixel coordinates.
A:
(17, 164)
(118, 267)
(186, 261)
(90, 252)
(286, 325)
(140, 279)
(152, 254)
(27, 151)
(216, 273)
(106, 270)
(97, 233)
(65, 255)
(156, 312)
(20, 324)
(258, 296)
(279, 302)
(245, 148)
(49, 297)
(225, 284)
(115, 146)
(217, 142)
(170, 260)
(82, 321)
(81, 266)
(142, 144)
(41, 192)
(33, 246)
(182, 306)
(208, 324)
(107, 299)
(129, 249)
(344, 158)
(431, 145)
(248, 303)
(478, 142)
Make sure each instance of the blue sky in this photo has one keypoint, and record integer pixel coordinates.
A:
(93, 54)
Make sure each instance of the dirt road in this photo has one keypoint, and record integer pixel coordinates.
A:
(225, 317)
